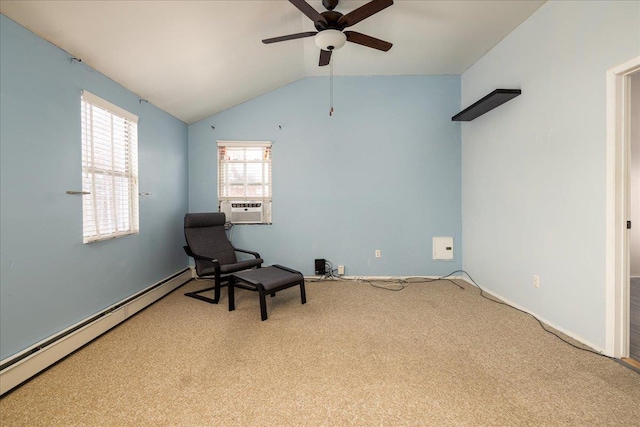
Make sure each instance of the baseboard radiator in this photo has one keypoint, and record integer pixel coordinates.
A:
(20, 367)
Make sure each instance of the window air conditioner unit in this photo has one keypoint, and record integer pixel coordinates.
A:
(243, 212)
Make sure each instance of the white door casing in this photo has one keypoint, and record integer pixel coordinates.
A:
(617, 209)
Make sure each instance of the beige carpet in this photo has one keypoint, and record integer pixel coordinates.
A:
(431, 354)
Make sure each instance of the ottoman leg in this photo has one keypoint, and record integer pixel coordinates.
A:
(263, 306)
(303, 295)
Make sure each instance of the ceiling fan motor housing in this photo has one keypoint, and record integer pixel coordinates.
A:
(332, 17)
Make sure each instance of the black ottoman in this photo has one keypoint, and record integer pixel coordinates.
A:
(266, 280)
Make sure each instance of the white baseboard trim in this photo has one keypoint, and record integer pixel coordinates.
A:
(357, 278)
(542, 319)
(29, 362)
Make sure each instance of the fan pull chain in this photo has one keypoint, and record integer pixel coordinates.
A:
(331, 87)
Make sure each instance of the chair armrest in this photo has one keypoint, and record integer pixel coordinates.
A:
(215, 262)
(255, 254)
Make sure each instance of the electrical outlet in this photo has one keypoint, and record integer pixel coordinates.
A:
(378, 254)
(341, 270)
(536, 281)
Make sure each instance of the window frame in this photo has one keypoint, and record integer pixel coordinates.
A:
(224, 183)
(109, 137)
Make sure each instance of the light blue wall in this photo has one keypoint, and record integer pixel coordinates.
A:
(382, 173)
(534, 169)
(49, 280)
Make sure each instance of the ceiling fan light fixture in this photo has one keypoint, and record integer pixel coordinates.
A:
(330, 39)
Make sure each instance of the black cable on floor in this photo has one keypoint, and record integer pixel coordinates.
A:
(403, 283)
(398, 283)
(527, 313)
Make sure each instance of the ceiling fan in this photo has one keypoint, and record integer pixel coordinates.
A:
(330, 25)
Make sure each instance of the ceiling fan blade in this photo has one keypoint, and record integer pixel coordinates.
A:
(363, 12)
(290, 37)
(325, 57)
(308, 10)
(367, 41)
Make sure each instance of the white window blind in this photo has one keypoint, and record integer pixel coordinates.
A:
(244, 175)
(109, 170)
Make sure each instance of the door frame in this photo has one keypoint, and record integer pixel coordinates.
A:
(617, 264)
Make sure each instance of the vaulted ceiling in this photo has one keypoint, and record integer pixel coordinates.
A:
(196, 58)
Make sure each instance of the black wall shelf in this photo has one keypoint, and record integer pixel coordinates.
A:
(486, 104)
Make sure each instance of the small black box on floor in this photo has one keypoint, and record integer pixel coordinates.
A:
(320, 267)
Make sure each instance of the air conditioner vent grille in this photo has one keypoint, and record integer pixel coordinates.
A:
(245, 205)
(245, 212)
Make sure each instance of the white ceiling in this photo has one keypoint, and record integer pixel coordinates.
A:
(196, 58)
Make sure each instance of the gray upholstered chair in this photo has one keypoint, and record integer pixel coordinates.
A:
(214, 255)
